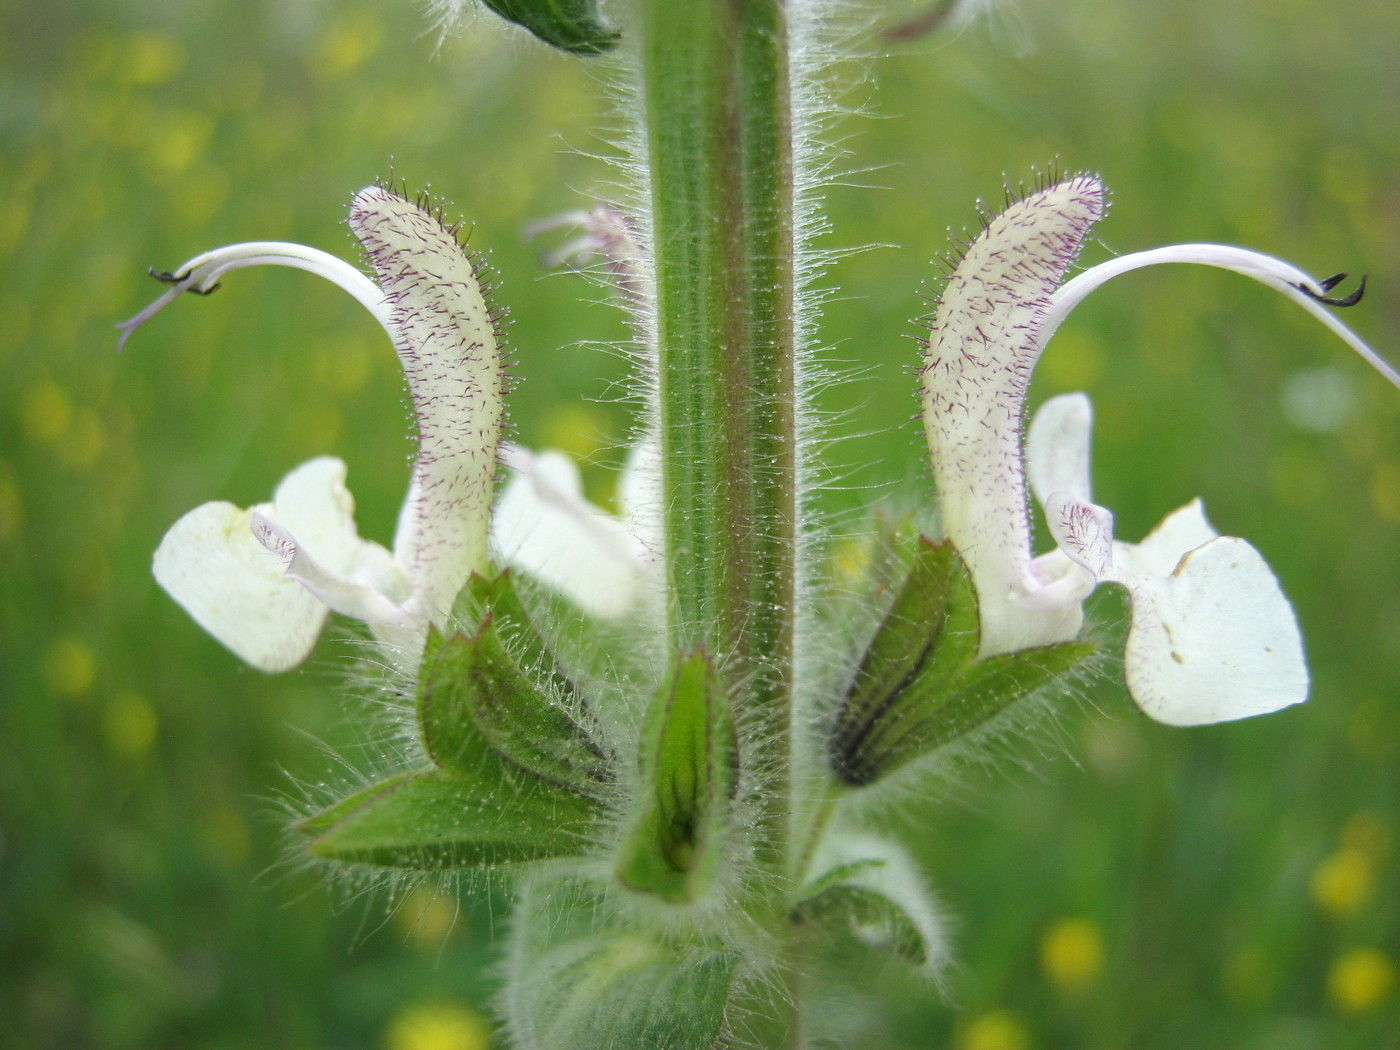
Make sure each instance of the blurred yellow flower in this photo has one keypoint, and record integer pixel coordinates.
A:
(1360, 980)
(152, 58)
(129, 724)
(45, 411)
(68, 666)
(578, 430)
(83, 444)
(428, 917)
(1367, 831)
(352, 40)
(995, 1030)
(1385, 491)
(1071, 954)
(437, 1026)
(1343, 882)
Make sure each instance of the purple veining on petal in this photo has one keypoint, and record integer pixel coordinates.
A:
(446, 339)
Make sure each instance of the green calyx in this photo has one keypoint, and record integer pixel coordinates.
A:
(921, 685)
(516, 773)
(499, 694)
(689, 776)
(570, 25)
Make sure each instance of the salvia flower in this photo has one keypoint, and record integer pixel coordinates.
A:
(262, 580)
(1212, 637)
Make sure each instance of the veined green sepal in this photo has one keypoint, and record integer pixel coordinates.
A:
(570, 25)
(920, 684)
(436, 820)
(689, 776)
(498, 694)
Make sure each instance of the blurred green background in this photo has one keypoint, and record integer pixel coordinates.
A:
(1114, 884)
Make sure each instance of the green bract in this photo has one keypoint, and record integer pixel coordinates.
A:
(689, 773)
(570, 25)
(921, 684)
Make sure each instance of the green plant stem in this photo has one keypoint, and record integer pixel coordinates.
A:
(716, 95)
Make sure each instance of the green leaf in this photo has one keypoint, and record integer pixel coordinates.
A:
(689, 770)
(477, 702)
(580, 983)
(570, 25)
(869, 885)
(437, 819)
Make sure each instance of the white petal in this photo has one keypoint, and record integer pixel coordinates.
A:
(982, 346)
(1179, 533)
(446, 340)
(543, 525)
(1082, 530)
(210, 563)
(335, 590)
(313, 502)
(1057, 447)
(1214, 641)
(1054, 582)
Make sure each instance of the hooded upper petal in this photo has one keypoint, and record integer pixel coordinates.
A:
(446, 339)
(978, 359)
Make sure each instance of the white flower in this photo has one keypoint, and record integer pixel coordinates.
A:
(1212, 636)
(262, 580)
(543, 525)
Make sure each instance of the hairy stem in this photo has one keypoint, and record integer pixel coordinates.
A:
(716, 97)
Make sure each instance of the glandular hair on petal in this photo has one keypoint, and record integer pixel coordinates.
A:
(983, 343)
(446, 339)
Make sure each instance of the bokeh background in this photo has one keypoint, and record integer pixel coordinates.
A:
(1115, 884)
